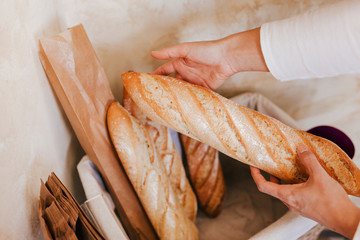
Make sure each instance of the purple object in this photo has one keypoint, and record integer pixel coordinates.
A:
(336, 136)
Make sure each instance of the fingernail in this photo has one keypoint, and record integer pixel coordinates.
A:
(302, 148)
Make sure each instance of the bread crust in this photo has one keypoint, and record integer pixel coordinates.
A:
(169, 156)
(147, 175)
(241, 133)
(206, 174)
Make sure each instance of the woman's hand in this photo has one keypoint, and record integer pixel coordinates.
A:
(210, 63)
(320, 198)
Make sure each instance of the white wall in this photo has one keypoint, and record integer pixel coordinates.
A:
(35, 135)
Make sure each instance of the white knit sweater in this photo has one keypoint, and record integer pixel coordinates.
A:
(320, 43)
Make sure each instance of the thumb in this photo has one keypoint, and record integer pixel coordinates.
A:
(309, 161)
(177, 51)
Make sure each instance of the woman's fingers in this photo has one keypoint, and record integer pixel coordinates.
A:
(178, 76)
(271, 188)
(274, 179)
(284, 193)
(309, 161)
(177, 51)
(166, 68)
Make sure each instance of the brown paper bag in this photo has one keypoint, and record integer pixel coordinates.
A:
(79, 82)
(61, 217)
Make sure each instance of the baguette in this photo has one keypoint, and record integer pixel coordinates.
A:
(147, 175)
(239, 132)
(205, 174)
(169, 156)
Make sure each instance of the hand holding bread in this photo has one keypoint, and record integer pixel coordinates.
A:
(320, 198)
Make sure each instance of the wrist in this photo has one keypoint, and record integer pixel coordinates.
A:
(243, 51)
(348, 220)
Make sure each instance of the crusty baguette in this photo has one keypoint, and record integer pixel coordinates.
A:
(147, 174)
(237, 131)
(169, 156)
(206, 174)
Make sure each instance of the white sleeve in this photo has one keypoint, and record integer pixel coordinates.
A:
(320, 43)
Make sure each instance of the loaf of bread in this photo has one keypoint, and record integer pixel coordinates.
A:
(147, 175)
(205, 174)
(169, 156)
(237, 131)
